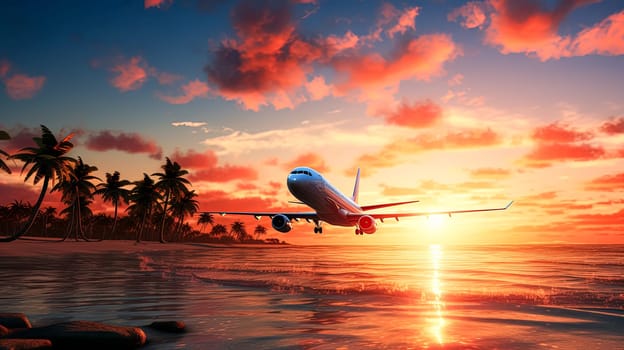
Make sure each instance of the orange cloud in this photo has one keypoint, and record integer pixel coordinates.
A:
(194, 160)
(615, 219)
(557, 132)
(125, 142)
(530, 27)
(405, 22)
(544, 154)
(130, 75)
(605, 38)
(192, 90)
(391, 154)
(267, 64)
(317, 88)
(270, 63)
(613, 126)
(526, 27)
(419, 115)
(558, 142)
(21, 87)
(224, 173)
(311, 160)
(156, 3)
(607, 183)
(205, 167)
(421, 58)
(473, 13)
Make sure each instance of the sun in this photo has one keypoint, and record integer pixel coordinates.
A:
(435, 222)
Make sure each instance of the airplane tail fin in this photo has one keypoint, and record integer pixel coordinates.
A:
(356, 188)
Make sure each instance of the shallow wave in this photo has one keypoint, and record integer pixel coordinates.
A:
(538, 297)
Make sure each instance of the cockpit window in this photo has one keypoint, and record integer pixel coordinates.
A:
(305, 172)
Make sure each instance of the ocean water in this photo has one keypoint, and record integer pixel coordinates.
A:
(330, 297)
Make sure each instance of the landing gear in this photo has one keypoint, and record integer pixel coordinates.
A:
(317, 227)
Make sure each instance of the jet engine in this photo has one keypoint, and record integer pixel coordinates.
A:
(281, 223)
(367, 224)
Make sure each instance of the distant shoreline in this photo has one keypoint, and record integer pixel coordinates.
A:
(26, 247)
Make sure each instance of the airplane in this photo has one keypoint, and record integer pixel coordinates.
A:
(333, 207)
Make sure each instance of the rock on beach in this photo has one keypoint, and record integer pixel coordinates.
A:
(85, 335)
(25, 344)
(14, 320)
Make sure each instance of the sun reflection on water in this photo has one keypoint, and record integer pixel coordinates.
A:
(437, 321)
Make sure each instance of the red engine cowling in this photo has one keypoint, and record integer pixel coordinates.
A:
(367, 224)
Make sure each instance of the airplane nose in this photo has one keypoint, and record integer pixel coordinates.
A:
(296, 183)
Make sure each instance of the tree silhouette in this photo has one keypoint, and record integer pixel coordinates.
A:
(260, 231)
(48, 213)
(77, 193)
(173, 184)
(184, 206)
(238, 230)
(205, 219)
(113, 191)
(143, 199)
(4, 136)
(47, 161)
(219, 230)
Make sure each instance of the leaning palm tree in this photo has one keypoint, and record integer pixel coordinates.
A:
(4, 136)
(143, 199)
(205, 219)
(47, 161)
(172, 183)
(77, 193)
(113, 191)
(185, 206)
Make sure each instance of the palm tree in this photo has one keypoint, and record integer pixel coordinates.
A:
(183, 206)
(47, 161)
(260, 231)
(48, 213)
(205, 219)
(238, 230)
(113, 191)
(143, 198)
(172, 183)
(4, 136)
(19, 213)
(218, 230)
(77, 193)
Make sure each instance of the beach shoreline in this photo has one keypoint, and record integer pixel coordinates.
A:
(38, 247)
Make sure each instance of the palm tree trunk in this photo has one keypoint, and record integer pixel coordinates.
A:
(33, 215)
(70, 228)
(79, 218)
(162, 224)
(114, 221)
(140, 233)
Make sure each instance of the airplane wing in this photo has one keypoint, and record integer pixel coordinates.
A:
(427, 213)
(259, 214)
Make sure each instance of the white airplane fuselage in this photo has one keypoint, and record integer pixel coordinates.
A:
(331, 205)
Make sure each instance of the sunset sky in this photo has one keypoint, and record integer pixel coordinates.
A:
(458, 104)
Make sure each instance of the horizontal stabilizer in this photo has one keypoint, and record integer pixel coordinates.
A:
(384, 205)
